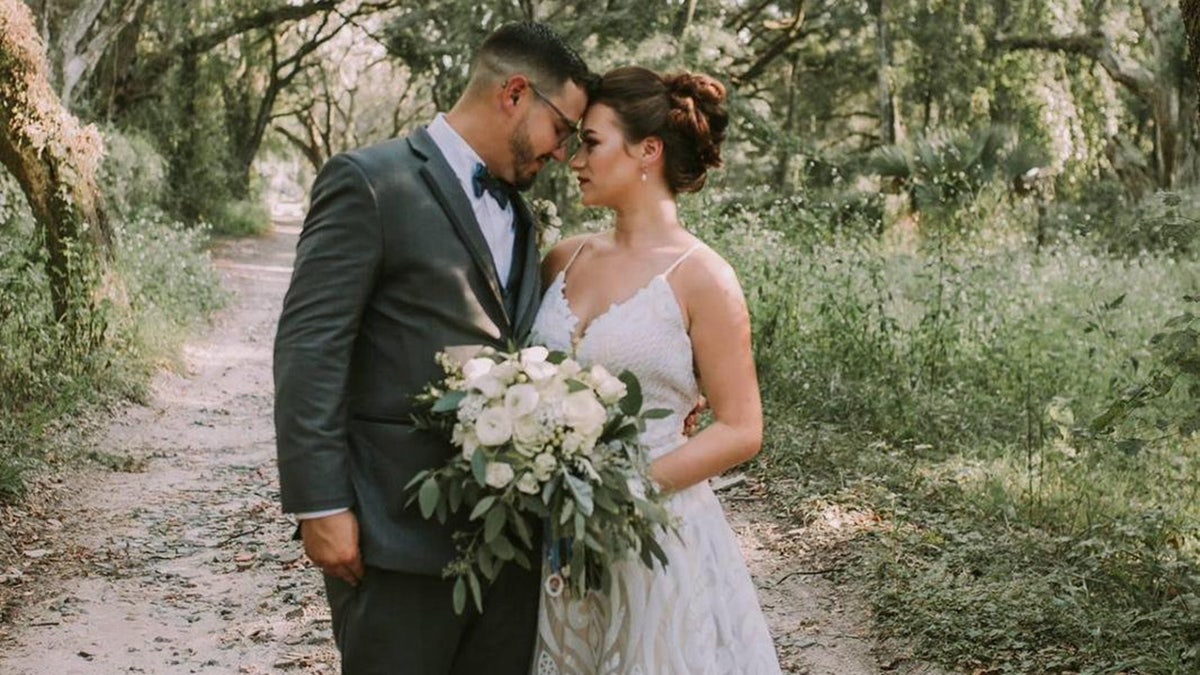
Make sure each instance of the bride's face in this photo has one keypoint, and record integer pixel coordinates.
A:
(607, 171)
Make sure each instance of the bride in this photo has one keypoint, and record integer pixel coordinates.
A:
(649, 297)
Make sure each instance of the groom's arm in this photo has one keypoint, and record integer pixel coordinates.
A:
(337, 264)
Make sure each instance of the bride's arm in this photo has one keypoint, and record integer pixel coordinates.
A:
(720, 333)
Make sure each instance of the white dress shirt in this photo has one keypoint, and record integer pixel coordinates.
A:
(495, 222)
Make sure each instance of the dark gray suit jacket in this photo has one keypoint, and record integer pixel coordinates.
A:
(391, 267)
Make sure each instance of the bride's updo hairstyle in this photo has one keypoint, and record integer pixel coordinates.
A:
(685, 110)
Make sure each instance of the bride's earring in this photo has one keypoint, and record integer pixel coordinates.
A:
(643, 173)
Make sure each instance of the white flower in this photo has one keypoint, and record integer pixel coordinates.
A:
(599, 373)
(528, 484)
(582, 411)
(499, 474)
(539, 371)
(463, 437)
(544, 465)
(575, 442)
(521, 399)
(493, 426)
(470, 407)
(487, 385)
(550, 236)
(535, 354)
(610, 389)
(506, 372)
(477, 368)
(470, 443)
(569, 368)
(529, 434)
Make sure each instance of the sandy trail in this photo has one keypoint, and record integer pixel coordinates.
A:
(183, 563)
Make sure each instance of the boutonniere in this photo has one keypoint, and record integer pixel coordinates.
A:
(546, 222)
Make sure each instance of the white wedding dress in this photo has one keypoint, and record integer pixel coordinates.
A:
(700, 615)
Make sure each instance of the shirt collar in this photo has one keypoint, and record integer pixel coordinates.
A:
(461, 157)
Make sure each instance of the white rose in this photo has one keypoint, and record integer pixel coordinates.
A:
(529, 434)
(599, 373)
(539, 371)
(521, 399)
(535, 354)
(610, 390)
(528, 484)
(487, 385)
(499, 474)
(505, 372)
(582, 411)
(569, 368)
(544, 465)
(493, 426)
(477, 368)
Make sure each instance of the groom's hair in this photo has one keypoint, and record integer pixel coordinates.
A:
(532, 49)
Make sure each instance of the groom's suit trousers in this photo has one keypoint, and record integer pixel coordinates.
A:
(395, 623)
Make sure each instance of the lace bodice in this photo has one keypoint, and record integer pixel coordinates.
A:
(645, 334)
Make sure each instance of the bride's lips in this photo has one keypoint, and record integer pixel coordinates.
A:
(582, 181)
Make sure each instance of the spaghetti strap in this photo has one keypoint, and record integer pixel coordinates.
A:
(681, 258)
(575, 255)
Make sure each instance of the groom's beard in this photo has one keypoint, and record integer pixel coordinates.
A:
(526, 165)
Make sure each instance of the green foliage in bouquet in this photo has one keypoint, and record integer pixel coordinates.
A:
(549, 463)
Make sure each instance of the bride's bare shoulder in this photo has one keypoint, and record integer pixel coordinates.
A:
(558, 256)
(705, 278)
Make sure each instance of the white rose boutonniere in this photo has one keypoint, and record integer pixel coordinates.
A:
(546, 222)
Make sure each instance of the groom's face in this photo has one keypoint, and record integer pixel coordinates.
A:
(544, 130)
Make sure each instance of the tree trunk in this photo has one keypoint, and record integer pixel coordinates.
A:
(55, 159)
(883, 51)
(687, 12)
(85, 39)
(1191, 23)
(783, 160)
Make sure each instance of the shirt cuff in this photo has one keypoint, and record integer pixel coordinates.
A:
(309, 515)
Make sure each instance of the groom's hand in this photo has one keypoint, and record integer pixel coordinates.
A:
(332, 544)
(692, 423)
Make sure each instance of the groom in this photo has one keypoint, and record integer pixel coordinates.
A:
(411, 246)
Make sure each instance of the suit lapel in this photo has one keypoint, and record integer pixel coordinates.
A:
(444, 186)
(529, 292)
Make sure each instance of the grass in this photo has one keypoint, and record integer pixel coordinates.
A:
(948, 388)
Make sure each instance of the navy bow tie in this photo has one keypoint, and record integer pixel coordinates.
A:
(485, 181)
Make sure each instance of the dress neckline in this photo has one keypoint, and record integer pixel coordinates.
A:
(580, 332)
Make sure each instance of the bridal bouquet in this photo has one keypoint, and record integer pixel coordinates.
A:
(546, 447)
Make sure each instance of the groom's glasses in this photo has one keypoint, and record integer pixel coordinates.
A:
(570, 130)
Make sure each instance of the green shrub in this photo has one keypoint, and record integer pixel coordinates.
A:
(161, 283)
(132, 174)
(248, 217)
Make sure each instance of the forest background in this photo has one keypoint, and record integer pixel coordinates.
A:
(968, 231)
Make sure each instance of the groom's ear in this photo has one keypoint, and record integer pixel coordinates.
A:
(513, 88)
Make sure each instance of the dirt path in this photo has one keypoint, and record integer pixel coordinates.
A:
(183, 563)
